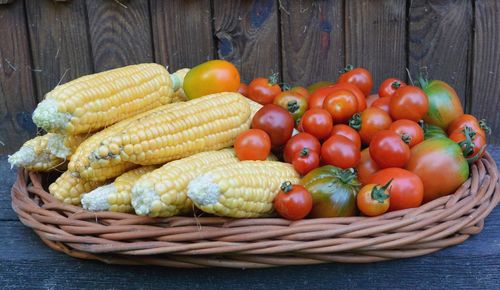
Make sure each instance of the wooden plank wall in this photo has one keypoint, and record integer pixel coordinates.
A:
(45, 43)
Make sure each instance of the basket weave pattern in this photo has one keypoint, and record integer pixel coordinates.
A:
(191, 242)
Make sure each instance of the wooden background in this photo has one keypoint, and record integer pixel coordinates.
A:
(44, 43)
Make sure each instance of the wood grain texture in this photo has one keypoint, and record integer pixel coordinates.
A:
(376, 37)
(440, 38)
(17, 95)
(120, 33)
(8, 176)
(182, 32)
(247, 34)
(486, 65)
(59, 42)
(312, 40)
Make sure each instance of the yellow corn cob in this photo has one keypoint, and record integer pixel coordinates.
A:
(241, 190)
(46, 152)
(68, 188)
(175, 131)
(254, 106)
(115, 196)
(96, 101)
(179, 95)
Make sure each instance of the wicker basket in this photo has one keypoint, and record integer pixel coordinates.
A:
(190, 242)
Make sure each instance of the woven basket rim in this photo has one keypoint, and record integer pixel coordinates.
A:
(193, 242)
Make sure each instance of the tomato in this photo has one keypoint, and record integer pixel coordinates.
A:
(301, 90)
(299, 142)
(253, 144)
(347, 132)
(406, 190)
(359, 77)
(389, 150)
(333, 191)
(473, 144)
(410, 131)
(317, 98)
(373, 199)
(369, 122)
(275, 121)
(366, 167)
(317, 85)
(293, 202)
(441, 165)
(341, 152)
(444, 104)
(383, 104)
(305, 161)
(432, 131)
(243, 89)
(213, 76)
(470, 121)
(264, 90)
(409, 102)
(293, 102)
(299, 123)
(317, 122)
(370, 99)
(341, 104)
(389, 87)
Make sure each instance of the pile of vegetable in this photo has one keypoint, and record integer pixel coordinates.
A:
(140, 140)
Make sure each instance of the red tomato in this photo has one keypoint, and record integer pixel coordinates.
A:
(369, 122)
(411, 132)
(317, 98)
(409, 102)
(382, 103)
(406, 190)
(300, 127)
(373, 199)
(366, 167)
(473, 144)
(359, 77)
(301, 90)
(253, 144)
(389, 87)
(305, 160)
(293, 202)
(243, 89)
(275, 121)
(299, 142)
(341, 104)
(470, 121)
(263, 90)
(340, 152)
(347, 132)
(389, 150)
(317, 122)
(370, 99)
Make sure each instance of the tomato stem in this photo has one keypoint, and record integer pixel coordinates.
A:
(304, 152)
(273, 79)
(484, 126)
(378, 192)
(293, 106)
(467, 145)
(286, 186)
(406, 138)
(285, 87)
(396, 85)
(347, 68)
(355, 121)
(422, 81)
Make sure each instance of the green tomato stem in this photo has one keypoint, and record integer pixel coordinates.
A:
(355, 121)
(286, 186)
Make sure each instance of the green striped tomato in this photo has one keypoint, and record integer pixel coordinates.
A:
(444, 104)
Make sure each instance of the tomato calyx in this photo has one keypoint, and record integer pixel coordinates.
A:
(286, 186)
(484, 126)
(292, 106)
(347, 176)
(406, 138)
(467, 145)
(378, 192)
(304, 152)
(347, 68)
(273, 79)
(355, 121)
(396, 85)
(422, 81)
(286, 87)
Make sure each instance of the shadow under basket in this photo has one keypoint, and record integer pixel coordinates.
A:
(192, 242)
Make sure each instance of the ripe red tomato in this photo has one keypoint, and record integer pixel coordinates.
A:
(264, 90)
(299, 142)
(301, 90)
(411, 132)
(293, 102)
(359, 77)
(293, 202)
(389, 150)
(213, 76)
(406, 190)
(470, 121)
(373, 199)
(253, 144)
(317, 98)
(243, 89)
(369, 122)
(347, 132)
(383, 104)
(370, 99)
(389, 87)
(366, 167)
(473, 144)
(305, 160)
(275, 121)
(341, 104)
(409, 102)
(317, 122)
(340, 152)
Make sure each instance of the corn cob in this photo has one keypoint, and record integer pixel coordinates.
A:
(46, 152)
(115, 196)
(96, 101)
(68, 188)
(175, 131)
(179, 95)
(241, 190)
(254, 106)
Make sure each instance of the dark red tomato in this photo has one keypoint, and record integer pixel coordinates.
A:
(301, 90)
(317, 98)
(410, 131)
(264, 90)
(359, 77)
(409, 102)
(341, 104)
(340, 152)
(243, 89)
(293, 202)
(253, 144)
(473, 144)
(406, 189)
(389, 150)
(444, 104)
(293, 102)
(347, 132)
(370, 99)
(276, 122)
(373, 199)
(470, 121)
(366, 167)
(369, 122)
(317, 122)
(299, 142)
(382, 103)
(305, 160)
(389, 87)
